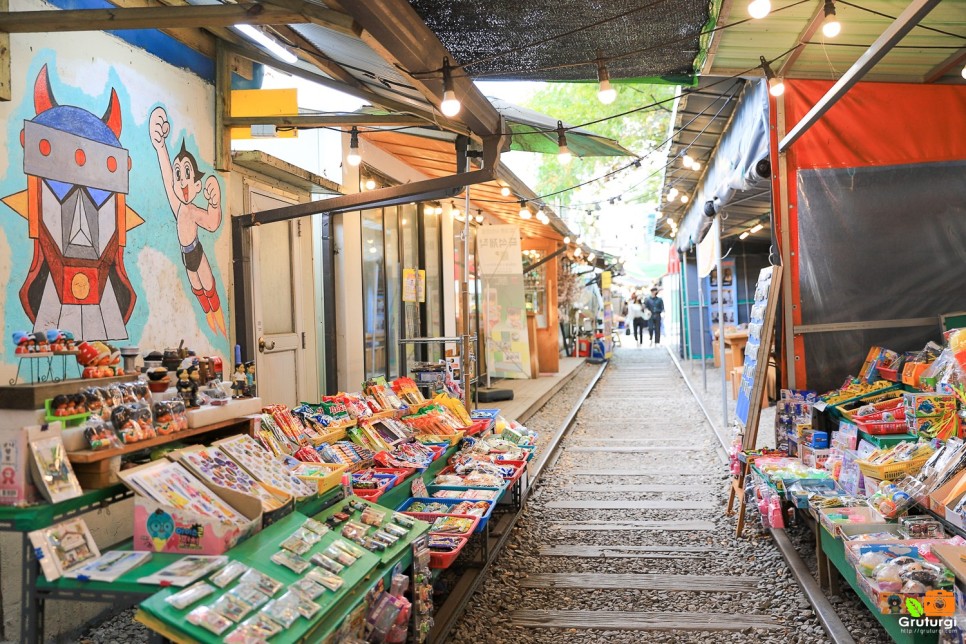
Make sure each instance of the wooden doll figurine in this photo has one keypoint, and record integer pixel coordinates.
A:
(187, 388)
(239, 381)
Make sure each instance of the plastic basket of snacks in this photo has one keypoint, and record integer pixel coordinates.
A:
(891, 470)
(440, 522)
(456, 492)
(324, 475)
(444, 549)
(401, 473)
(880, 427)
(477, 508)
(478, 426)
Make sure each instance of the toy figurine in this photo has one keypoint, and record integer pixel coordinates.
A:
(250, 377)
(59, 405)
(239, 381)
(187, 387)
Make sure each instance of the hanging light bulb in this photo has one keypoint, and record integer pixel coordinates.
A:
(479, 216)
(504, 191)
(684, 198)
(563, 152)
(744, 235)
(454, 211)
(758, 9)
(776, 87)
(964, 71)
(605, 94)
(695, 166)
(672, 194)
(567, 240)
(591, 257)
(450, 105)
(524, 211)
(580, 240)
(578, 252)
(370, 184)
(354, 158)
(831, 27)
(687, 161)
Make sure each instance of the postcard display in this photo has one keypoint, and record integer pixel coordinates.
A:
(726, 290)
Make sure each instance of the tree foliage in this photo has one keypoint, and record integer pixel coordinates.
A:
(640, 132)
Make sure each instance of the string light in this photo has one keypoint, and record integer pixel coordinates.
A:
(479, 216)
(370, 184)
(591, 257)
(687, 161)
(964, 71)
(578, 252)
(758, 9)
(563, 152)
(695, 166)
(505, 191)
(672, 194)
(605, 94)
(831, 27)
(684, 198)
(524, 211)
(454, 211)
(566, 240)
(776, 87)
(450, 105)
(354, 158)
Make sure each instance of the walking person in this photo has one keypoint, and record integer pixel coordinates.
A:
(636, 312)
(655, 306)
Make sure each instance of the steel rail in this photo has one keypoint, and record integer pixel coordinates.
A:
(452, 609)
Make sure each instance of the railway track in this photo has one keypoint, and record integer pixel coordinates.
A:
(621, 535)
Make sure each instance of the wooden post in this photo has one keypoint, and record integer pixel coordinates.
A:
(222, 107)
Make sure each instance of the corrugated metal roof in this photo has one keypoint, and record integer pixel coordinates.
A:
(737, 48)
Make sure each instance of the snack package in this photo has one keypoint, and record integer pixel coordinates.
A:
(100, 435)
(209, 620)
(188, 596)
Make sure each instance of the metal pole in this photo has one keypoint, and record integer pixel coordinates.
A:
(465, 352)
(721, 333)
(704, 362)
(685, 320)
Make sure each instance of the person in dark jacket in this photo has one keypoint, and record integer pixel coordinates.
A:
(655, 305)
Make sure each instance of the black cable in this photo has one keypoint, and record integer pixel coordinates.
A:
(885, 15)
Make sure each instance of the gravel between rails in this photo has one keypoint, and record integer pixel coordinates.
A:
(640, 397)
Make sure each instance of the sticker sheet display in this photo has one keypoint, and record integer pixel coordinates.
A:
(64, 547)
(56, 477)
(214, 465)
(260, 463)
(185, 570)
(109, 566)
(172, 485)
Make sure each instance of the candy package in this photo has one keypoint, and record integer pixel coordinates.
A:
(261, 581)
(187, 596)
(291, 561)
(228, 574)
(327, 579)
(209, 619)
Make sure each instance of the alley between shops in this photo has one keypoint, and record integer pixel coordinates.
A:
(624, 539)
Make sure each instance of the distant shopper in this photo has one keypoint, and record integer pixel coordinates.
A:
(655, 306)
(636, 312)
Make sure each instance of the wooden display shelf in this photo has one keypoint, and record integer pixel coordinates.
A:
(92, 456)
(33, 396)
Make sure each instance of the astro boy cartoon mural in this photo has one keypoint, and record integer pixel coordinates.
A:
(182, 183)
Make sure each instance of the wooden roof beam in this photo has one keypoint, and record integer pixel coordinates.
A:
(317, 120)
(818, 17)
(161, 17)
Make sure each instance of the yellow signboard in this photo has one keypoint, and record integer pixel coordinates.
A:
(264, 102)
(605, 279)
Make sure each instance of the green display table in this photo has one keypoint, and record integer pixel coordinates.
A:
(402, 491)
(256, 552)
(35, 517)
(835, 551)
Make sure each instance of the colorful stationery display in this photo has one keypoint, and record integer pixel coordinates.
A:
(185, 570)
(213, 465)
(63, 547)
(260, 463)
(55, 478)
(109, 566)
(172, 485)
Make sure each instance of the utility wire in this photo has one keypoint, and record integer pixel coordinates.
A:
(885, 15)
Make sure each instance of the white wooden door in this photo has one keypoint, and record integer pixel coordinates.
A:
(277, 306)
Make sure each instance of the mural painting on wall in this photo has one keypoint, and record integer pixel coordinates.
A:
(77, 217)
(182, 184)
(80, 178)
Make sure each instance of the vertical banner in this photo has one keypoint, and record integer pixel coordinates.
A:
(605, 294)
(500, 267)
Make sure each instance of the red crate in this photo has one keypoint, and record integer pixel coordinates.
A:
(878, 427)
(443, 560)
(478, 426)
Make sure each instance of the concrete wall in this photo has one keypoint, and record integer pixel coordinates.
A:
(153, 307)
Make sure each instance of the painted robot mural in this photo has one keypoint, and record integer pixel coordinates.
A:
(77, 217)
(78, 177)
(182, 184)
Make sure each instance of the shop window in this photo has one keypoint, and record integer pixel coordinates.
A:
(374, 293)
(393, 287)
